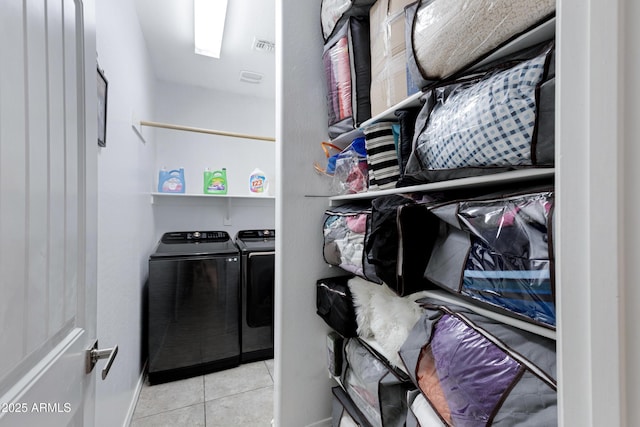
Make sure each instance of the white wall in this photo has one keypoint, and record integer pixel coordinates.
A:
(597, 176)
(125, 221)
(208, 109)
(302, 386)
(631, 201)
(203, 108)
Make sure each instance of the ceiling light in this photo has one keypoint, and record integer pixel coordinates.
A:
(209, 16)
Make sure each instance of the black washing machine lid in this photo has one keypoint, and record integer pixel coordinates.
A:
(256, 240)
(182, 243)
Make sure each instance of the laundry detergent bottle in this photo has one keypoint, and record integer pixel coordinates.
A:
(171, 181)
(215, 182)
(258, 183)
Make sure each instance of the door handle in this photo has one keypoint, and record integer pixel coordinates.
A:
(93, 354)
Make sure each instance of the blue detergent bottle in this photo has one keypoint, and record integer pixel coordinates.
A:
(171, 181)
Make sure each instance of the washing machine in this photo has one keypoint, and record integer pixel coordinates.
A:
(257, 248)
(193, 305)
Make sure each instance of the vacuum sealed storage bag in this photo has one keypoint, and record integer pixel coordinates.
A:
(347, 66)
(345, 230)
(475, 371)
(497, 251)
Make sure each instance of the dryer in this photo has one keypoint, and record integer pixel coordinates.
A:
(257, 248)
(193, 305)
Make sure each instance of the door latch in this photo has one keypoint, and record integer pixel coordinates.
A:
(93, 354)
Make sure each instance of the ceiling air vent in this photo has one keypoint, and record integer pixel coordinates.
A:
(250, 77)
(262, 45)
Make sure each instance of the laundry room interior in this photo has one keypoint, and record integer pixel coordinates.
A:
(242, 260)
(174, 123)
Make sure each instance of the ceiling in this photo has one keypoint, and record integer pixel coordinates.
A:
(167, 26)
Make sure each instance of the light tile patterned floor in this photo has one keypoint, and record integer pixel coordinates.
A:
(242, 396)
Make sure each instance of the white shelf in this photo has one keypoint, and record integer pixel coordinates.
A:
(214, 196)
(389, 114)
(507, 320)
(470, 182)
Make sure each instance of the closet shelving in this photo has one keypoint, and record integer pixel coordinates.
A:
(543, 32)
(510, 177)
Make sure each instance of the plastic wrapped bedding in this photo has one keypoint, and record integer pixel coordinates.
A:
(490, 123)
(383, 318)
(379, 392)
(497, 251)
(347, 66)
(476, 371)
(498, 119)
(450, 35)
(335, 12)
(345, 229)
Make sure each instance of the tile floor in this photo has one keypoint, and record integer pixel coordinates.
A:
(241, 396)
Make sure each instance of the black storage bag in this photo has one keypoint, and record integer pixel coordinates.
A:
(379, 391)
(347, 65)
(401, 238)
(346, 230)
(334, 304)
(407, 120)
(514, 134)
(474, 370)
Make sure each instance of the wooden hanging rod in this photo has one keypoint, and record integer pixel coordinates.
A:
(201, 130)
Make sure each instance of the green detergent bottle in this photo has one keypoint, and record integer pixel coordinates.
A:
(215, 182)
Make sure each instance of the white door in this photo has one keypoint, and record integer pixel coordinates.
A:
(47, 212)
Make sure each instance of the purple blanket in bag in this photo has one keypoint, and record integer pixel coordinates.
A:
(475, 371)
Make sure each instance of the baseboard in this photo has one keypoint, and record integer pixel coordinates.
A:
(136, 395)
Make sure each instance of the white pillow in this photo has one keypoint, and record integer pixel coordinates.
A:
(383, 316)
